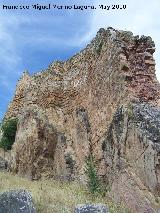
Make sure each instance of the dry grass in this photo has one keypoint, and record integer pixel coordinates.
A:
(51, 196)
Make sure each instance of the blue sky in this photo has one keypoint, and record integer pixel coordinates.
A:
(32, 40)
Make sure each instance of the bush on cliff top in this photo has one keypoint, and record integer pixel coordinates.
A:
(8, 129)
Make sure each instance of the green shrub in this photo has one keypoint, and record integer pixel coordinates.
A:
(8, 129)
(93, 181)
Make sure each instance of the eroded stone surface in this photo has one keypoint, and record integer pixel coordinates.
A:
(36, 141)
(131, 151)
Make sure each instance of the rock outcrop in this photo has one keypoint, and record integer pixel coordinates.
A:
(104, 100)
(131, 152)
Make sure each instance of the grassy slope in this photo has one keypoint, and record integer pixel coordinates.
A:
(51, 196)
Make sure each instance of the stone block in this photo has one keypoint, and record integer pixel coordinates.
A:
(91, 208)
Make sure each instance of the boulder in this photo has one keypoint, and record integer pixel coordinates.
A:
(91, 208)
(16, 201)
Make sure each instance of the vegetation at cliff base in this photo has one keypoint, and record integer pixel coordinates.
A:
(8, 129)
(93, 181)
(51, 196)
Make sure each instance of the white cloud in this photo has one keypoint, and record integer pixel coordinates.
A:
(8, 54)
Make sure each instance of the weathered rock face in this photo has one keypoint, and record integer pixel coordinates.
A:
(35, 145)
(68, 111)
(131, 151)
(19, 201)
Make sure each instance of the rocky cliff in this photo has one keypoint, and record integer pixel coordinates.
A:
(104, 100)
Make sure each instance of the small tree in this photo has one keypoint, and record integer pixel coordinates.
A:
(93, 181)
(9, 129)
